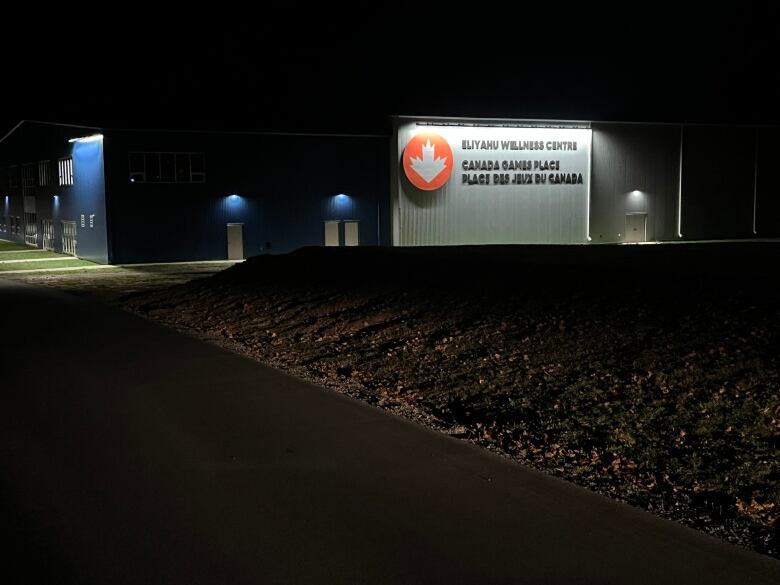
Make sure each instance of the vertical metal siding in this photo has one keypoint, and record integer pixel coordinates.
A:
(494, 214)
(628, 158)
(767, 186)
(717, 185)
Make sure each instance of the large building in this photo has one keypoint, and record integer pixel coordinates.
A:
(124, 196)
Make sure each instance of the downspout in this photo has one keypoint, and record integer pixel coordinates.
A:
(679, 188)
(755, 184)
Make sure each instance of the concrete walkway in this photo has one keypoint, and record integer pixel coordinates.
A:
(133, 454)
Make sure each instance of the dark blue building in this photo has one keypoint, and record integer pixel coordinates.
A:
(130, 196)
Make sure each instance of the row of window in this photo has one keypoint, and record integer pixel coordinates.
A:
(43, 179)
(145, 167)
(14, 224)
(167, 167)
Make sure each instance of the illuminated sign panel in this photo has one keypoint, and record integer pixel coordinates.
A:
(472, 184)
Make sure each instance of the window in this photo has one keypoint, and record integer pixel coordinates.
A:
(28, 179)
(197, 168)
(44, 173)
(167, 167)
(13, 176)
(66, 171)
(137, 167)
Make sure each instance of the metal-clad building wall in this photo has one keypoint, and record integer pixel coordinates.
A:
(459, 213)
(767, 194)
(717, 182)
(34, 142)
(635, 170)
(281, 187)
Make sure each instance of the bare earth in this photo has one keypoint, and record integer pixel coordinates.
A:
(112, 284)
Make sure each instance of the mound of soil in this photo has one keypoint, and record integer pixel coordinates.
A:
(647, 373)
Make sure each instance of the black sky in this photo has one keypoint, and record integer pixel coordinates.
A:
(313, 71)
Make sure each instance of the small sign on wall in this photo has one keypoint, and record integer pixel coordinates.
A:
(83, 221)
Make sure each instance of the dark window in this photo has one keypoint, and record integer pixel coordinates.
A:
(137, 169)
(182, 168)
(13, 176)
(28, 179)
(44, 173)
(167, 167)
(153, 167)
(198, 165)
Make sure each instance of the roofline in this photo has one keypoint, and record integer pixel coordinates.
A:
(21, 122)
(11, 131)
(250, 132)
(455, 120)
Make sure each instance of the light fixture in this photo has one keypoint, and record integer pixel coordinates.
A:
(91, 138)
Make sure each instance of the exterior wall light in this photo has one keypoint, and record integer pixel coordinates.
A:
(82, 139)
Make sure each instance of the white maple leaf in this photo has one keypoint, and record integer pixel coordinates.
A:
(428, 167)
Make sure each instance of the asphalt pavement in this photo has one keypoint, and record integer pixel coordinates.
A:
(130, 453)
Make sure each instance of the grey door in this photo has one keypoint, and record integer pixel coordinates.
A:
(235, 241)
(331, 233)
(351, 233)
(636, 227)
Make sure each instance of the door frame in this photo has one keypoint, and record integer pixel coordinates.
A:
(227, 237)
(644, 226)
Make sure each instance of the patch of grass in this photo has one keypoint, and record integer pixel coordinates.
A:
(6, 246)
(13, 255)
(53, 265)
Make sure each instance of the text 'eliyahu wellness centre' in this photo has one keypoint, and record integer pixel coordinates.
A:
(123, 196)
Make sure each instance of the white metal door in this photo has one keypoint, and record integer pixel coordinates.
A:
(351, 233)
(636, 227)
(48, 234)
(31, 228)
(331, 233)
(69, 242)
(235, 241)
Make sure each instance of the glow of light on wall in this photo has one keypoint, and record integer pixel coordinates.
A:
(91, 138)
(342, 199)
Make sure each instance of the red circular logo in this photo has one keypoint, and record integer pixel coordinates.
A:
(427, 161)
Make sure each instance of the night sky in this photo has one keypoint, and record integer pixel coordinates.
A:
(314, 72)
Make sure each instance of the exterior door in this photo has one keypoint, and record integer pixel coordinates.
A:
(351, 233)
(31, 229)
(636, 227)
(69, 243)
(235, 241)
(331, 233)
(48, 234)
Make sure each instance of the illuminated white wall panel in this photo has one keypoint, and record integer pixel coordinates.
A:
(507, 185)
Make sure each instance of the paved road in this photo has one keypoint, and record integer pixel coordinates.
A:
(132, 454)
